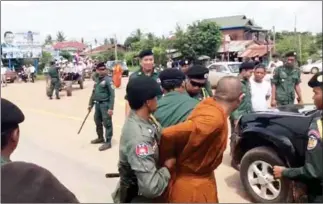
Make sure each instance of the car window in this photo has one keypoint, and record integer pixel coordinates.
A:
(221, 68)
(234, 67)
(212, 67)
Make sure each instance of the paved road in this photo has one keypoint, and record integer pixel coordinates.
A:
(49, 138)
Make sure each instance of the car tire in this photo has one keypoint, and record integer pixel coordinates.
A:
(314, 70)
(269, 156)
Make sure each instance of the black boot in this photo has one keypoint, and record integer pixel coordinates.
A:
(97, 141)
(50, 98)
(57, 97)
(105, 146)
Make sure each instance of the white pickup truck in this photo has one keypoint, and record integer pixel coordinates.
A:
(218, 70)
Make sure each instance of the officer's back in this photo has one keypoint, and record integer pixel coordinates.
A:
(141, 179)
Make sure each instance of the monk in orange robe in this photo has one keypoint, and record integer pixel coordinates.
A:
(117, 75)
(198, 145)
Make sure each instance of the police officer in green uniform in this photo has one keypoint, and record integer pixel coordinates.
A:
(103, 99)
(205, 91)
(141, 177)
(55, 83)
(196, 82)
(146, 69)
(184, 65)
(245, 72)
(286, 81)
(312, 172)
(176, 104)
(11, 117)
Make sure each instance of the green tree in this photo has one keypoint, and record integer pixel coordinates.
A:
(106, 41)
(159, 55)
(60, 37)
(48, 40)
(111, 41)
(44, 60)
(201, 38)
(66, 55)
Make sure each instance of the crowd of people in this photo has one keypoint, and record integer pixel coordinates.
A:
(176, 130)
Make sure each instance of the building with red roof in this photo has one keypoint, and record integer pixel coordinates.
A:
(70, 46)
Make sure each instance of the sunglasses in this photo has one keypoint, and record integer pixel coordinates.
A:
(198, 84)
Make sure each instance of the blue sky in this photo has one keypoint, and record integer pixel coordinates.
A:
(90, 19)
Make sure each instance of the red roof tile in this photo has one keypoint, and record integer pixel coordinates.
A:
(69, 44)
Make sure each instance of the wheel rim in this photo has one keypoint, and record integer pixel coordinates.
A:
(262, 181)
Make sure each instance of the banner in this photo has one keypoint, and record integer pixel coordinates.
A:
(21, 45)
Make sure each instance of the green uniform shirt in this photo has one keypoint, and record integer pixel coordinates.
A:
(312, 171)
(4, 160)
(53, 73)
(154, 75)
(174, 107)
(245, 106)
(138, 159)
(285, 80)
(103, 91)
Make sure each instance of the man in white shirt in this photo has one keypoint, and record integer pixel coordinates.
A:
(275, 63)
(260, 89)
(32, 71)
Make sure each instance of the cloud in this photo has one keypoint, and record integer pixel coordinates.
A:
(103, 19)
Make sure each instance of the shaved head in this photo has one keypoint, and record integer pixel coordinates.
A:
(228, 89)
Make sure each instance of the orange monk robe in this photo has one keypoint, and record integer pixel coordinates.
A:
(117, 75)
(198, 145)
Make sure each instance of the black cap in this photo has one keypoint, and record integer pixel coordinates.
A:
(184, 62)
(145, 53)
(141, 89)
(100, 64)
(23, 182)
(197, 72)
(171, 74)
(316, 80)
(247, 66)
(11, 115)
(291, 54)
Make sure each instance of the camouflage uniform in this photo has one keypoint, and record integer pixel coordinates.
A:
(285, 80)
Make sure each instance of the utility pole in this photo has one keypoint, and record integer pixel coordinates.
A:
(300, 48)
(115, 48)
(274, 40)
(295, 32)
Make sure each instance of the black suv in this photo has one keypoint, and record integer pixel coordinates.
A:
(266, 139)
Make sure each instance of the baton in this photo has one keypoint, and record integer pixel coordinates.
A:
(87, 115)
(112, 175)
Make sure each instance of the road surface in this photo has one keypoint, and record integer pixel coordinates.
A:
(49, 138)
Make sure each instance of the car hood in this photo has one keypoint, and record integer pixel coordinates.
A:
(295, 117)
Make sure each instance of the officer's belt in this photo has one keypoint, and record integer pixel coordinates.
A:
(98, 102)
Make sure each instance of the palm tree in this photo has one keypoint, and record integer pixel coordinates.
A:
(95, 41)
(112, 41)
(138, 34)
(82, 40)
(60, 37)
(106, 41)
(48, 40)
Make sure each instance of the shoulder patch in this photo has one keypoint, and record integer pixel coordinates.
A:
(312, 142)
(102, 83)
(158, 80)
(142, 150)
